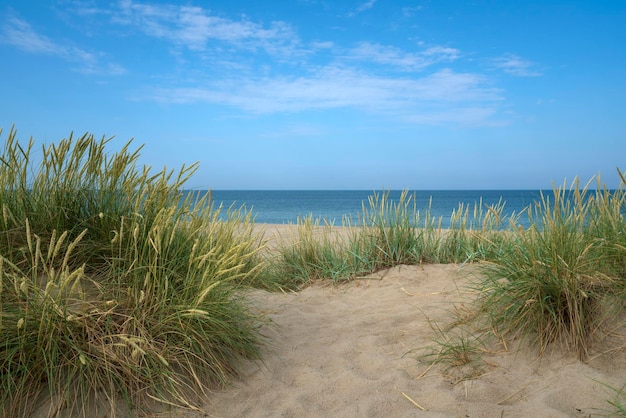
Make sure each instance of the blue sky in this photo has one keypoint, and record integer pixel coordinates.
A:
(328, 94)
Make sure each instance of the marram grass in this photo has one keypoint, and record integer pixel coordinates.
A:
(388, 233)
(559, 280)
(318, 252)
(111, 289)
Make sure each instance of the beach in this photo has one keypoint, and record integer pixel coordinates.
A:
(358, 350)
(368, 348)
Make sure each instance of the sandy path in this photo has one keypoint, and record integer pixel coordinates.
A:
(344, 351)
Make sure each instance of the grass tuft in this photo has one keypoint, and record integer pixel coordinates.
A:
(554, 280)
(459, 350)
(111, 289)
(387, 233)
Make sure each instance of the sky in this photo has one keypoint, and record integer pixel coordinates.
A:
(328, 94)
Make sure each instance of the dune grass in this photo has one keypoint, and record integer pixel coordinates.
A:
(111, 289)
(115, 288)
(617, 401)
(318, 252)
(560, 277)
(387, 233)
(457, 348)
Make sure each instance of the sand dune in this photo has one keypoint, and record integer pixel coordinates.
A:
(353, 350)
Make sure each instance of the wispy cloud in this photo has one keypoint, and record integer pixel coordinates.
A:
(362, 8)
(253, 69)
(389, 55)
(194, 27)
(514, 65)
(334, 87)
(322, 45)
(20, 34)
(410, 11)
(467, 115)
(365, 6)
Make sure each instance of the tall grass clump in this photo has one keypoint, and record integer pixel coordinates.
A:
(384, 236)
(475, 235)
(606, 224)
(387, 233)
(112, 289)
(399, 233)
(317, 252)
(556, 280)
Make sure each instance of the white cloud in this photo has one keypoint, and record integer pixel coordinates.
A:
(297, 77)
(194, 27)
(362, 7)
(459, 115)
(514, 65)
(333, 88)
(365, 6)
(389, 55)
(410, 11)
(20, 34)
(322, 45)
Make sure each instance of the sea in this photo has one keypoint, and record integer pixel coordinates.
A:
(337, 206)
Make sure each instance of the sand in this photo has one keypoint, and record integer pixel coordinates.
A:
(352, 350)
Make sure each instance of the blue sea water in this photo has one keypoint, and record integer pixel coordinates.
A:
(286, 206)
